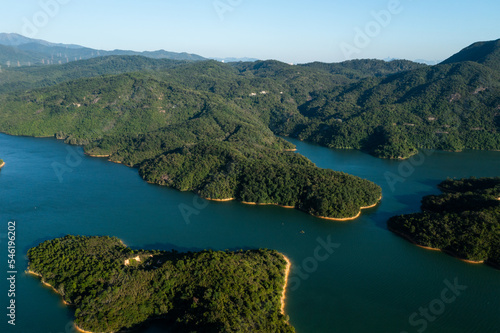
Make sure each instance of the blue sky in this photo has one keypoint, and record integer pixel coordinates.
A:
(290, 31)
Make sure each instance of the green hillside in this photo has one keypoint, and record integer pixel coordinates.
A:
(114, 288)
(17, 79)
(450, 107)
(485, 53)
(10, 56)
(182, 130)
(210, 127)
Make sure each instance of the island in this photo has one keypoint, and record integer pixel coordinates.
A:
(463, 222)
(2, 163)
(114, 288)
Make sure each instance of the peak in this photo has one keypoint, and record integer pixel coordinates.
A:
(486, 53)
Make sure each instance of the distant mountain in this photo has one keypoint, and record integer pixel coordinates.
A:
(160, 54)
(29, 51)
(485, 53)
(419, 61)
(18, 50)
(10, 56)
(235, 59)
(25, 78)
(427, 62)
(12, 39)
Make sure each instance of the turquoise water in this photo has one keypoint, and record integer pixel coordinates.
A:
(369, 280)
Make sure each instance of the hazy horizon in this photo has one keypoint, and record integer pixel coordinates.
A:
(292, 32)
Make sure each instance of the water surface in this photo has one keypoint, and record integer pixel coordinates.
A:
(373, 281)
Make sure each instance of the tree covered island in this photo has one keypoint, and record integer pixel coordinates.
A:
(114, 288)
(464, 221)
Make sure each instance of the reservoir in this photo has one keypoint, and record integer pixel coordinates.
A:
(346, 276)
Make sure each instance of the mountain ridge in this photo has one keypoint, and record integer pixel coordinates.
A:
(210, 127)
(486, 53)
(35, 51)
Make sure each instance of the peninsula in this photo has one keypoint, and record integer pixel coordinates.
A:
(463, 222)
(114, 288)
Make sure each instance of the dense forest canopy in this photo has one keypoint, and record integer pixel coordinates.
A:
(211, 127)
(389, 109)
(193, 126)
(114, 288)
(464, 221)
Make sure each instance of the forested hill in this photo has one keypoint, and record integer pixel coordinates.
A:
(26, 78)
(449, 107)
(191, 128)
(464, 221)
(485, 53)
(116, 289)
(363, 68)
(210, 127)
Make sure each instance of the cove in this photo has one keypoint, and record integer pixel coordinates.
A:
(363, 278)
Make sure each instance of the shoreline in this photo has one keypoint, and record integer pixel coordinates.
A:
(47, 284)
(435, 249)
(79, 329)
(266, 204)
(2, 165)
(287, 273)
(219, 200)
(341, 219)
(99, 156)
(255, 203)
